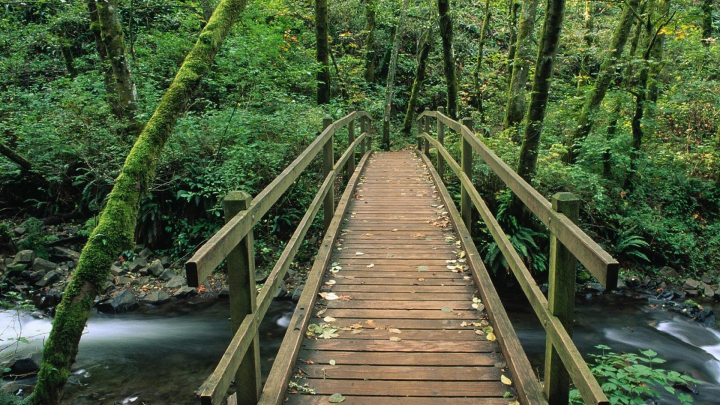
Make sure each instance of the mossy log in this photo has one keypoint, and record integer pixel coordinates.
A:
(116, 226)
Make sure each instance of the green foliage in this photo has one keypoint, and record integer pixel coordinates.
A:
(628, 378)
(9, 399)
(35, 238)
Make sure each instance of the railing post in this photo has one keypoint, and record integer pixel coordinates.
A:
(441, 140)
(465, 203)
(561, 300)
(427, 131)
(241, 285)
(351, 138)
(419, 132)
(328, 163)
(363, 130)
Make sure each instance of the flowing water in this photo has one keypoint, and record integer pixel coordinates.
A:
(162, 357)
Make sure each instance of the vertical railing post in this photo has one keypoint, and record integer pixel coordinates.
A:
(241, 285)
(328, 163)
(363, 130)
(561, 300)
(427, 131)
(351, 138)
(419, 133)
(441, 140)
(467, 159)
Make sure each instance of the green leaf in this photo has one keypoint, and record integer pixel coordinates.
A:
(336, 398)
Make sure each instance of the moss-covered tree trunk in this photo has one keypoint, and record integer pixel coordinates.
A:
(589, 39)
(112, 36)
(476, 72)
(707, 21)
(513, 7)
(515, 105)
(446, 33)
(370, 55)
(547, 49)
(116, 226)
(14, 157)
(608, 71)
(322, 49)
(418, 82)
(390, 87)
(104, 66)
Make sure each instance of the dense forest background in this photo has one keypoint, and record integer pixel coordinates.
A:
(652, 202)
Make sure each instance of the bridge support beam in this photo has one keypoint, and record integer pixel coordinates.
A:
(328, 163)
(466, 162)
(241, 283)
(561, 300)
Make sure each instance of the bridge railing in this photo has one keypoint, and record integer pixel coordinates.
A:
(568, 244)
(234, 243)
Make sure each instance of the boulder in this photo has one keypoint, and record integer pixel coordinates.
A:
(185, 292)
(706, 279)
(708, 291)
(167, 274)
(50, 299)
(65, 254)
(117, 269)
(26, 365)
(145, 253)
(123, 280)
(594, 287)
(137, 264)
(141, 280)
(10, 387)
(36, 276)
(49, 278)
(692, 293)
(156, 268)
(42, 264)
(156, 298)
(25, 257)
(175, 282)
(165, 261)
(691, 284)
(121, 302)
(668, 272)
(297, 292)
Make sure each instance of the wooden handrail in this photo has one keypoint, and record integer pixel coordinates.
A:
(582, 377)
(598, 262)
(214, 388)
(214, 251)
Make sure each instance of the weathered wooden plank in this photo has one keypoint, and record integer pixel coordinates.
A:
(402, 289)
(409, 296)
(415, 373)
(399, 359)
(415, 346)
(415, 304)
(418, 280)
(375, 400)
(407, 388)
(466, 334)
(403, 323)
(403, 314)
(387, 275)
(273, 391)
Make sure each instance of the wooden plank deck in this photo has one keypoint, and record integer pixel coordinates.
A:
(400, 304)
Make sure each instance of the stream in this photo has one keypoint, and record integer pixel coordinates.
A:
(162, 356)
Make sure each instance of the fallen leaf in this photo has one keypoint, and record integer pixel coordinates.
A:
(309, 362)
(462, 254)
(336, 398)
(422, 268)
(330, 282)
(329, 319)
(505, 380)
(394, 330)
(332, 362)
(421, 279)
(479, 332)
(463, 324)
(371, 323)
(491, 337)
(395, 338)
(359, 253)
(446, 309)
(329, 296)
(370, 266)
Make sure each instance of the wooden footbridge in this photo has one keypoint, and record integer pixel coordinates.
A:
(398, 307)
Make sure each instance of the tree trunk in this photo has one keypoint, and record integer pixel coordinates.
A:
(102, 56)
(515, 107)
(112, 35)
(547, 49)
(418, 82)
(605, 77)
(663, 10)
(116, 226)
(589, 38)
(513, 8)
(707, 21)
(323, 51)
(16, 158)
(446, 33)
(370, 55)
(390, 87)
(476, 72)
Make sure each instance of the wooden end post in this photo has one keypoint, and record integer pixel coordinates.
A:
(351, 138)
(561, 300)
(467, 159)
(241, 283)
(363, 130)
(441, 140)
(328, 163)
(427, 131)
